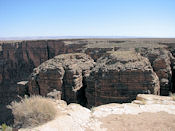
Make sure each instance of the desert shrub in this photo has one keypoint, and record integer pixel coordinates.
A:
(137, 50)
(4, 127)
(32, 111)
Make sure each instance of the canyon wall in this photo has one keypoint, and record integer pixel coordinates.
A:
(115, 77)
(119, 77)
(18, 59)
(65, 73)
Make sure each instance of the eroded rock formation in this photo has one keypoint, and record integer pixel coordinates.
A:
(19, 58)
(64, 73)
(162, 63)
(119, 77)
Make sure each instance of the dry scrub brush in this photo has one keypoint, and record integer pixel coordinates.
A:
(33, 111)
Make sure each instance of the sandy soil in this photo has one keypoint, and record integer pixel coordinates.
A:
(160, 121)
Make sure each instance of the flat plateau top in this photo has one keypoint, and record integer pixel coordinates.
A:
(73, 39)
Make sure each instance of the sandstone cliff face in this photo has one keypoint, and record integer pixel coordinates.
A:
(162, 62)
(18, 59)
(119, 77)
(64, 73)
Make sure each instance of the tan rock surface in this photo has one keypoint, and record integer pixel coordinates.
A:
(112, 117)
(142, 122)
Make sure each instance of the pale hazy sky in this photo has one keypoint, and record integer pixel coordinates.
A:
(152, 18)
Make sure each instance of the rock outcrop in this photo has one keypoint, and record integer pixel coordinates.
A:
(162, 63)
(54, 94)
(19, 58)
(22, 88)
(157, 109)
(65, 73)
(119, 77)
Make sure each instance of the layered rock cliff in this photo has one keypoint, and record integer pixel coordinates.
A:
(17, 61)
(119, 77)
(162, 62)
(115, 77)
(19, 58)
(65, 73)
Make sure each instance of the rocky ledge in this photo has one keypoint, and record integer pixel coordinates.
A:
(122, 69)
(142, 114)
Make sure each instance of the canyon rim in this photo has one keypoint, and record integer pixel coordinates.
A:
(90, 72)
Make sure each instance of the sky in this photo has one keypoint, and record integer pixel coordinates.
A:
(141, 18)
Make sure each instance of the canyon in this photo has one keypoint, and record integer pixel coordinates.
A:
(90, 72)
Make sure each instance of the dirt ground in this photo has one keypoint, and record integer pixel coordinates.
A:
(160, 121)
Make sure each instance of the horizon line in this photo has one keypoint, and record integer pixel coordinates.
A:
(74, 37)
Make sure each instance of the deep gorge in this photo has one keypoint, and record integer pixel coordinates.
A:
(118, 71)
